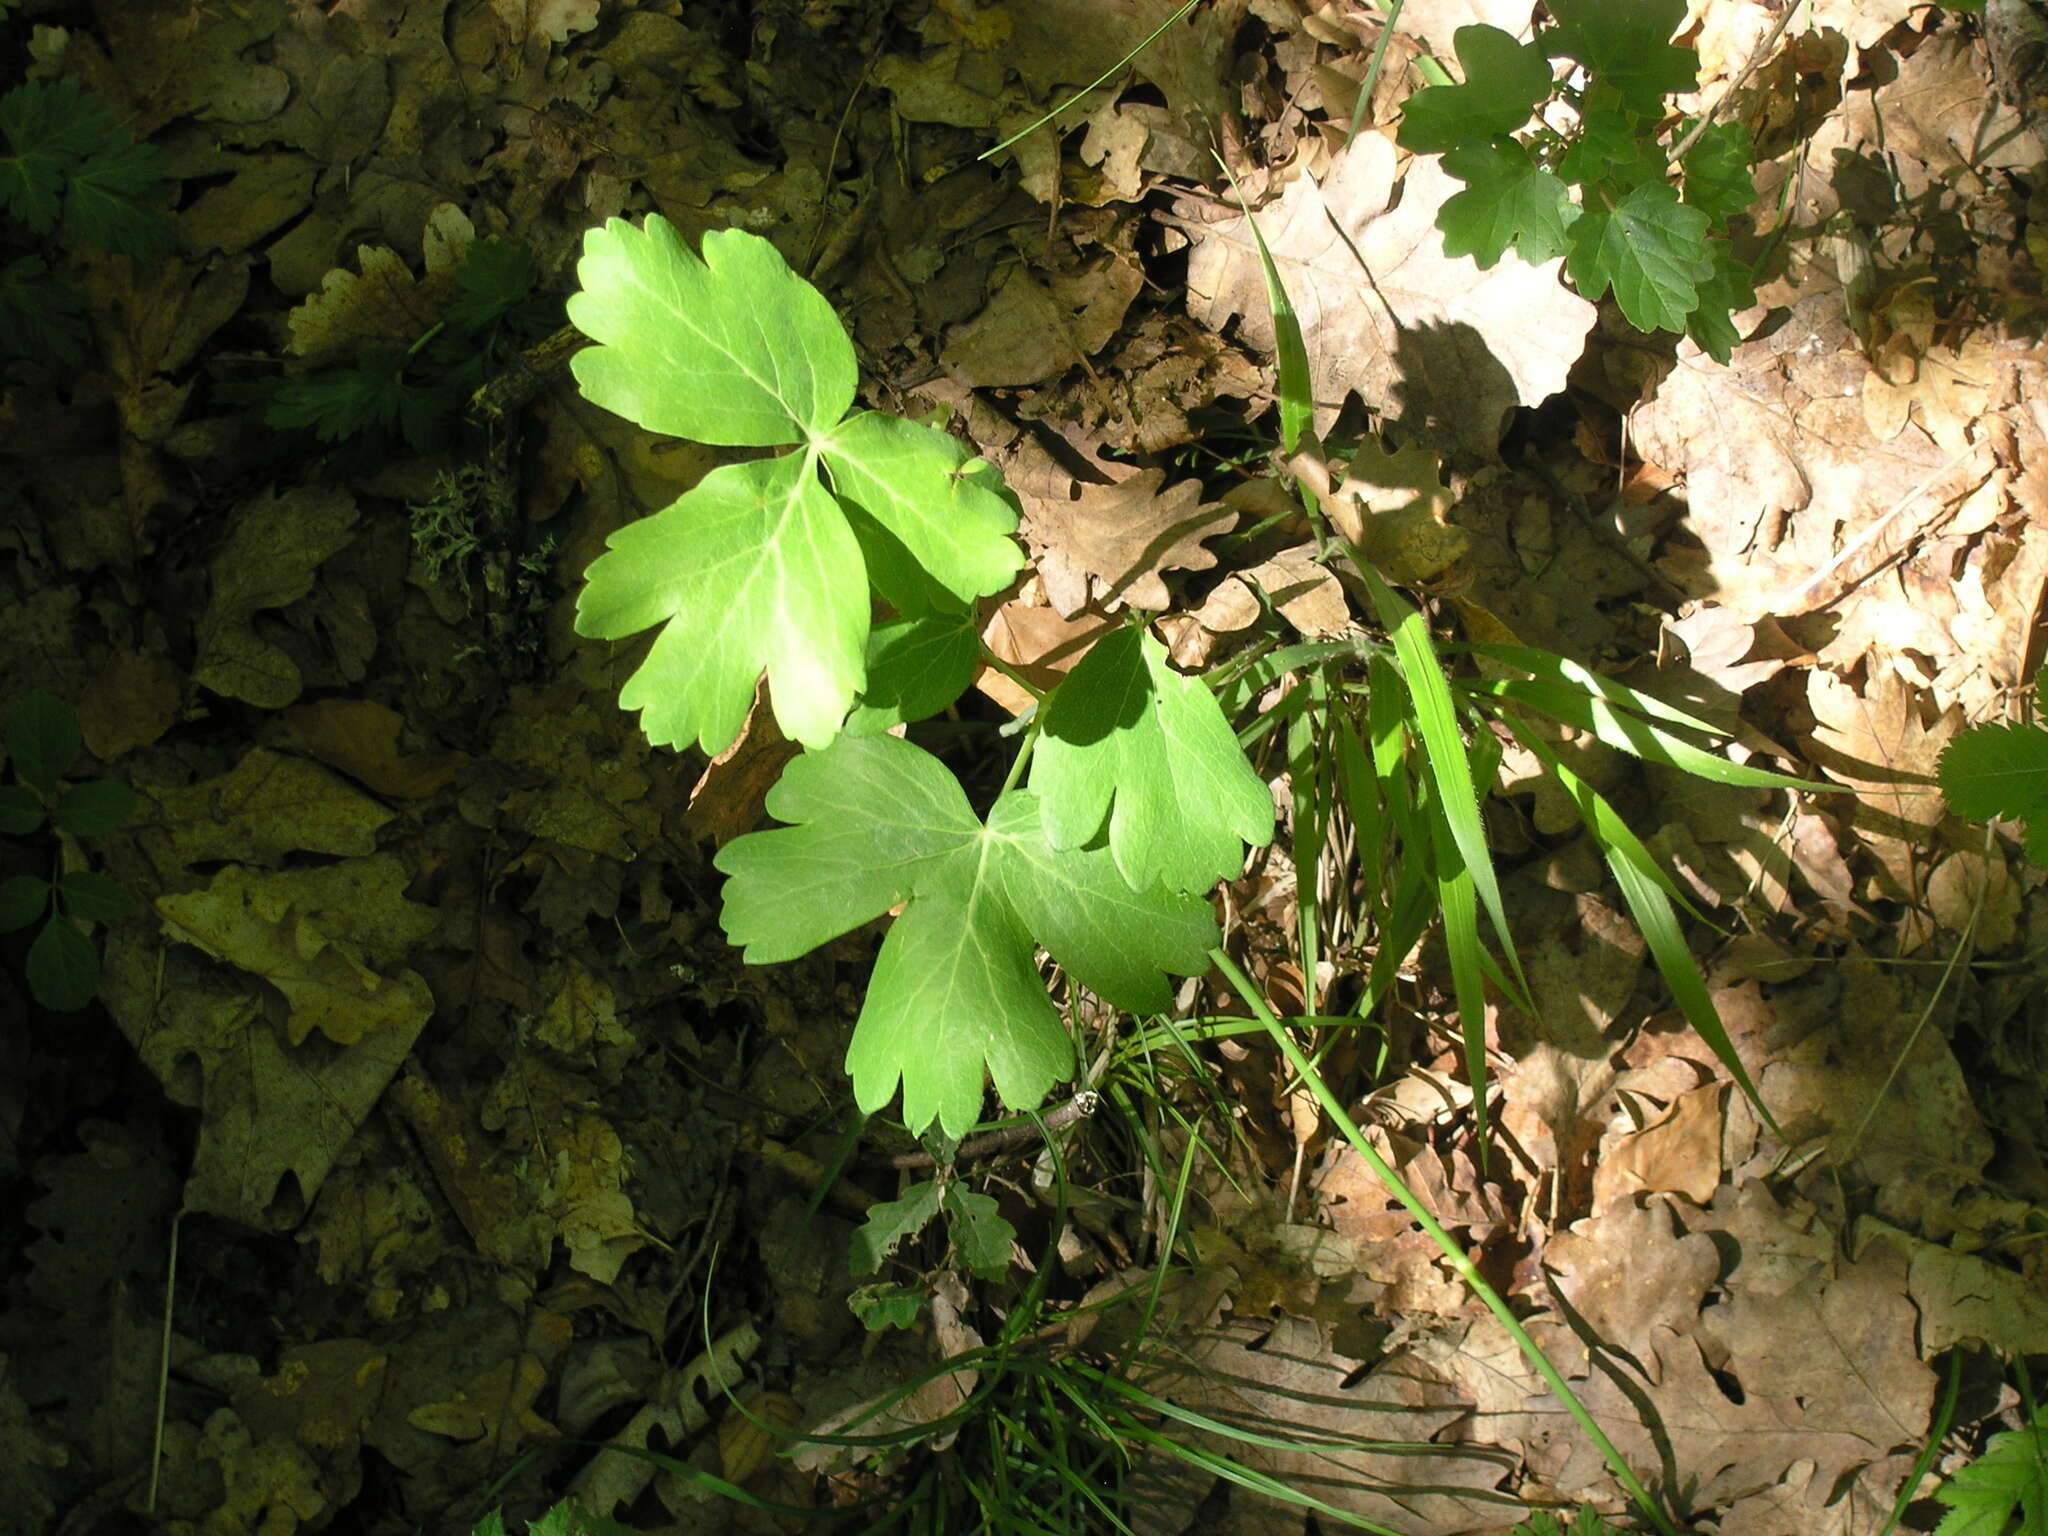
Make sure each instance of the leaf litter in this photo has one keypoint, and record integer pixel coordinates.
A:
(445, 1062)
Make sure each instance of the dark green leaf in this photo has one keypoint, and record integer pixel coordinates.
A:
(1504, 79)
(982, 1238)
(1627, 43)
(1606, 139)
(1717, 174)
(95, 809)
(1508, 203)
(42, 739)
(1723, 295)
(338, 403)
(108, 202)
(495, 275)
(1651, 248)
(63, 967)
(23, 899)
(21, 810)
(49, 127)
(93, 897)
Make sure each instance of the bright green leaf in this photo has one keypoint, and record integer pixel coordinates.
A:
(889, 1225)
(63, 968)
(1651, 248)
(752, 569)
(881, 1307)
(982, 1237)
(2012, 1474)
(1627, 43)
(42, 739)
(916, 481)
(1504, 79)
(956, 993)
(23, 899)
(733, 348)
(2000, 773)
(1508, 202)
(916, 667)
(93, 897)
(1127, 737)
(95, 809)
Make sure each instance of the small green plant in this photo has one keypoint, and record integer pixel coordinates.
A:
(42, 742)
(566, 1518)
(1586, 1522)
(1591, 167)
(2011, 1476)
(2000, 772)
(69, 168)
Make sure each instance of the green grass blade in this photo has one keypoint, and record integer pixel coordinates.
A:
(1436, 721)
(1628, 733)
(1297, 405)
(1460, 907)
(1643, 888)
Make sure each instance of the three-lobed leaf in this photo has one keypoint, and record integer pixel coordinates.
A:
(731, 348)
(1504, 79)
(757, 566)
(1651, 248)
(760, 567)
(956, 996)
(1128, 739)
(1509, 202)
(1627, 44)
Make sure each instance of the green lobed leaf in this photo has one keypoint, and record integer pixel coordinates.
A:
(48, 127)
(23, 900)
(63, 968)
(956, 994)
(731, 348)
(93, 897)
(921, 484)
(1128, 738)
(916, 667)
(1607, 138)
(1996, 773)
(495, 276)
(95, 809)
(1504, 79)
(42, 739)
(2012, 1474)
(107, 200)
(1717, 177)
(889, 1225)
(881, 1307)
(1724, 293)
(1651, 248)
(982, 1237)
(1508, 203)
(340, 403)
(1627, 43)
(752, 569)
